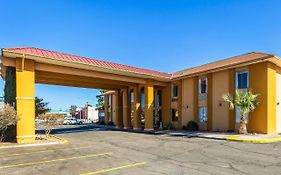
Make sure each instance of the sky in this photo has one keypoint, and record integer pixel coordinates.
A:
(162, 35)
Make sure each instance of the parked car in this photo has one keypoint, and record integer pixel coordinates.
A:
(72, 121)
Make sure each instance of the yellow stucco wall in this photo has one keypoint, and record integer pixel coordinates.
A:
(187, 101)
(278, 100)
(220, 113)
(263, 82)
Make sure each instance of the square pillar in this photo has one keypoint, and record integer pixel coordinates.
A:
(210, 102)
(166, 104)
(149, 105)
(106, 114)
(25, 100)
(179, 105)
(119, 109)
(137, 108)
(126, 109)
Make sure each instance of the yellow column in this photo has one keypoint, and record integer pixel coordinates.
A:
(126, 109)
(166, 104)
(137, 108)
(263, 82)
(25, 104)
(106, 114)
(119, 109)
(149, 105)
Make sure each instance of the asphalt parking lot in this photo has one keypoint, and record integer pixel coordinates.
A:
(99, 151)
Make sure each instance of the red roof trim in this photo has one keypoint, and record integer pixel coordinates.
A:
(100, 63)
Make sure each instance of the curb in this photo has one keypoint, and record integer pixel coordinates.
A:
(62, 141)
(270, 140)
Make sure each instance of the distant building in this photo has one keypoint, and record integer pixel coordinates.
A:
(87, 113)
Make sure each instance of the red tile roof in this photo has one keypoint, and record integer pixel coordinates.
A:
(241, 59)
(79, 59)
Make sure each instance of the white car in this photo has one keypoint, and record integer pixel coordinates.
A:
(72, 121)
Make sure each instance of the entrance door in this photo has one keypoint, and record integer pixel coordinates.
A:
(278, 103)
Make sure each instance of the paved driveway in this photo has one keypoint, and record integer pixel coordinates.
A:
(97, 151)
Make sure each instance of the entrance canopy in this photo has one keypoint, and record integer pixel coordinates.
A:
(70, 70)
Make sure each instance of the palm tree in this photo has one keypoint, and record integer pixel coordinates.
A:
(246, 102)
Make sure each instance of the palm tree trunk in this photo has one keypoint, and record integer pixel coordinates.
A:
(243, 125)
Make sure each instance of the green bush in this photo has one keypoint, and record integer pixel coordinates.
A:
(191, 126)
(110, 123)
(168, 126)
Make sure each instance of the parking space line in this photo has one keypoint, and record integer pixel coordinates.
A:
(44, 151)
(115, 168)
(53, 160)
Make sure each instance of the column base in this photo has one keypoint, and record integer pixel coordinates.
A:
(26, 139)
(149, 129)
(137, 128)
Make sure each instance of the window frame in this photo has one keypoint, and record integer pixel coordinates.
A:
(205, 109)
(174, 86)
(200, 86)
(236, 78)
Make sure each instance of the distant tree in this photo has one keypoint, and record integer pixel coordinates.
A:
(41, 107)
(10, 86)
(72, 110)
(100, 100)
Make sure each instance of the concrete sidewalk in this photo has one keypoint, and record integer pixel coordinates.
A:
(230, 136)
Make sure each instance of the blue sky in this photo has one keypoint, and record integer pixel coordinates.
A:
(162, 35)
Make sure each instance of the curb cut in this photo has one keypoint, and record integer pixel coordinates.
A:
(62, 141)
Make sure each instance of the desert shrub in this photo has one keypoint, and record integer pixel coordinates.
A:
(110, 123)
(50, 121)
(8, 118)
(191, 126)
(168, 126)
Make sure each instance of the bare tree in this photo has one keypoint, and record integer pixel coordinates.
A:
(50, 121)
(8, 117)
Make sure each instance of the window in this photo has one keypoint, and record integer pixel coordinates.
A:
(158, 101)
(203, 114)
(242, 79)
(203, 88)
(174, 90)
(175, 115)
(132, 97)
(238, 115)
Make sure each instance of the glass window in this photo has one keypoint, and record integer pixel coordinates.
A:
(175, 115)
(132, 97)
(203, 88)
(158, 101)
(238, 115)
(242, 80)
(174, 90)
(203, 114)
